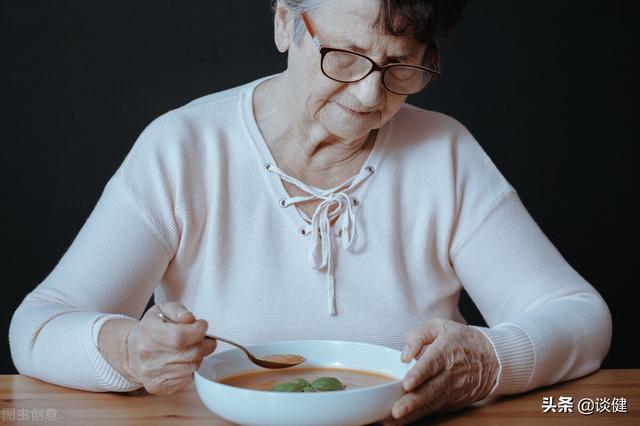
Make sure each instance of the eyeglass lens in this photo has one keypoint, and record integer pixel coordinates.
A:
(348, 67)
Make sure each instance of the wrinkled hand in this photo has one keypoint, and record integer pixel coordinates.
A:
(456, 366)
(163, 356)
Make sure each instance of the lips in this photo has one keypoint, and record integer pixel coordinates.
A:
(353, 111)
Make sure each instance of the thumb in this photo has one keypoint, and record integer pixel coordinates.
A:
(418, 337)
(177, 312)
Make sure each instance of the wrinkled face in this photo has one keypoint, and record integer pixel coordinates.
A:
(348, 25)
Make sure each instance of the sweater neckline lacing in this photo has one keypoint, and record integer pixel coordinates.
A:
(335, 203)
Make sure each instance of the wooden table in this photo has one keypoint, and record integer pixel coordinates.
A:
(24, 400)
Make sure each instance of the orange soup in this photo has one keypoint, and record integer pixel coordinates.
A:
(267, 379)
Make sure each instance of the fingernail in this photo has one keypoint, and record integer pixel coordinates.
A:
(400, 411)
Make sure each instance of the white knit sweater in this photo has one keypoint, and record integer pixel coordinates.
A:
(197, 213)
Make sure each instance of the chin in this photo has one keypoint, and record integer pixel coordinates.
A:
(347, 131)
(346, 127)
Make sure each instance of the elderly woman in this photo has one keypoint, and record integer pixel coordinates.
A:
(316, 204)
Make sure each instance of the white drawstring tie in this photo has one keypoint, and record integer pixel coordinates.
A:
(334, 202)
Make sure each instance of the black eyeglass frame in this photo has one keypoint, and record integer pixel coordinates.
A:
(324, 50)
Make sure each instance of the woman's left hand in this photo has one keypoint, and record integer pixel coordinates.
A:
(456, 366)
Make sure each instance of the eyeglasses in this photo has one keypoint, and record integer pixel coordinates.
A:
(346, 66)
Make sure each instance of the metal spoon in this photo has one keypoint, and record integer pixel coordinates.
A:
(283, 361)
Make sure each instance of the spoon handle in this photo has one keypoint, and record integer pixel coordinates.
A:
(222, 339)
(237, 345)
(261, 362)
(165, 318)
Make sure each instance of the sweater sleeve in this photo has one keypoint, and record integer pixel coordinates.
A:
(115, 263)
(110, 271)
(547, 323)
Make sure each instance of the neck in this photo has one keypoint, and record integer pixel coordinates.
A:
(300, 145)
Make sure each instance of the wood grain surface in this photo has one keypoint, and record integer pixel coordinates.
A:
(25, 400)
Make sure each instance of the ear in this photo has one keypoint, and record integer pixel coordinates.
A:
(282, 27)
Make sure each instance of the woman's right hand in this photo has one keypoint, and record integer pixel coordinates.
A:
(163, 356)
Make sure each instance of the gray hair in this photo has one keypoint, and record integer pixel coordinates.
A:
(297, 8)
(428, 21)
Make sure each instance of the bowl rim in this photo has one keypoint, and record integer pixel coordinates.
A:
(290, 394)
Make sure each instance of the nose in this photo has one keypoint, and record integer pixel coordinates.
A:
(370, 90)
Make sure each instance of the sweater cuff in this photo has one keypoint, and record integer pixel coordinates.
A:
(516, 356)
(105, 374)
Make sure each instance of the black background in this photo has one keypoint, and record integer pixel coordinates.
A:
(547, 87)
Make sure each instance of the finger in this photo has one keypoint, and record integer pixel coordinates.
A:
(199, 363)
(429, 365)
(168, 386)
(178, 336)
(181, 383)
(418, 337)
(195, 352)
(178, 369)
(426, 399)
(429, 408)
(183, 335)
(418, 414)
(177, 312)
